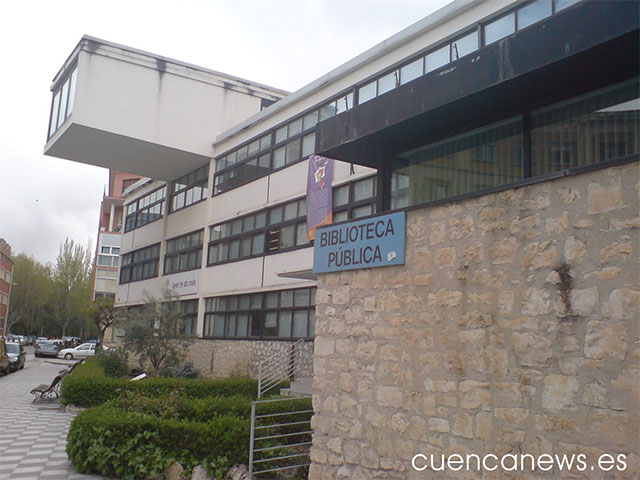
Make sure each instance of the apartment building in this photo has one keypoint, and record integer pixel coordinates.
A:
(6, 280)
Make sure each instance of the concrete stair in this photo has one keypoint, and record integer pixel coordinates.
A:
(302, 386)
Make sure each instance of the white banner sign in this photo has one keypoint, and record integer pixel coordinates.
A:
(183, 283)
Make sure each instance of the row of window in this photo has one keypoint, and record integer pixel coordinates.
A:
(140, 264)
(63, 100)
(189, 189)
(596, 127)
(492, 31)
(283, 146)
(184, 253)
(145, 209)
(5, 275)
(286, 314)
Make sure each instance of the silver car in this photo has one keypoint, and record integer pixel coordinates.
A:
(81, 351)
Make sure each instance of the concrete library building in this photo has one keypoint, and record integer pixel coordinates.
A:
(473, 286)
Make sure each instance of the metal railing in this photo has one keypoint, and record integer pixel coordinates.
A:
(280, 444)
(279, 367)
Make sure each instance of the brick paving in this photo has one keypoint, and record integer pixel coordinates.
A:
(33, 437)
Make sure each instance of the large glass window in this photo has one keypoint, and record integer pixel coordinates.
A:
(533, 13)
(500, 28)
(476, 160)
(592, 128)
(63, 100)
(284, 314)
(140, 264)
(190, 189)
(184, 253)
(145, 210)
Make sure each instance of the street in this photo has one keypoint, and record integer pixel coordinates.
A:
(33, 436)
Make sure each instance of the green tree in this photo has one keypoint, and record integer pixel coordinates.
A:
(104, 315)
(31, 296)
(72, 286)
(155, 333)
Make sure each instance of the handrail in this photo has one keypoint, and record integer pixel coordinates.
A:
(279, 367)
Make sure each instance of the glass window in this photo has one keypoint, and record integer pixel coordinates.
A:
(284, 324)
(500, 28)
(362, 211)
(293, 151)
(270, 324)
(310, 120)
(279, 157)
(281, 134)
(344, 103)
(72, 92)
(367, 92)
(54, 113)
(464, 45)
(447, 168)
(562, 4)
(363, 189)
(62, 114)
(299, 324)
(341, 195)
(533, 13)
(411, 71)
(308, 144)
(295, 127)
(436, 59)
(388, 82)
(592, 128)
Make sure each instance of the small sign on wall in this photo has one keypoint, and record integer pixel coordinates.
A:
(185, 283)
(374, 242)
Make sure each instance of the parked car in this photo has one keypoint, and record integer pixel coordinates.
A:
(81, 351)
(46, 349)
(17, 356)
(5, 365)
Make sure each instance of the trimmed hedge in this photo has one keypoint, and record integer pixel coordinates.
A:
(88, 386)
(115, 442)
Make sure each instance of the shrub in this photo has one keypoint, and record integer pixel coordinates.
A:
(116, 442)
(93, 388)
(186, 370)
(114, 363)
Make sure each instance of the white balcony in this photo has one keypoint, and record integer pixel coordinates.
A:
(121, 108)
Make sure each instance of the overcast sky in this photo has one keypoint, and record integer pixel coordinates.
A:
(281, 43)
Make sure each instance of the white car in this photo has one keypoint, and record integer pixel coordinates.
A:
(81, 351)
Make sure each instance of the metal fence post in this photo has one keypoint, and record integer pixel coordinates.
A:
(259, 380)
(251, 439)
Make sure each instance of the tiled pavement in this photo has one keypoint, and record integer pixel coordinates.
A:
(33, 436)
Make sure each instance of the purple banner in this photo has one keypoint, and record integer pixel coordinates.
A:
(319, 196)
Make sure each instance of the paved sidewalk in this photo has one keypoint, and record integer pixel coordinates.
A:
(33, 436)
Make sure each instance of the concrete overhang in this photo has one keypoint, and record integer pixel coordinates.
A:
(145, 114)
(570, 53)
(108, 202)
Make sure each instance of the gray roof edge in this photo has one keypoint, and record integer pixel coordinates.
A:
(404, 36)
(137, 51)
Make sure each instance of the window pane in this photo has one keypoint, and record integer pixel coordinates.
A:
(362, 211)
(388, 82)
(241, 325)
(327, 111)
(291, 211)
(278, 157)
(499, 29)
(300, 324)
(308, 145)
(293, 151)
(340, 216)
(301, 234)
(281, 134)
(270, 324)
(295, 127)
(244, 302)
(367, 92)
(341, 195)
(275, 215)
(344, 103)
(363, 189)
(257, 244)
(272, 300)
(260, 219)
(54, 113)
(286, 298)
(411, 71)
(287, 236)
(265, 142)
(218, 326)
(464, 46)
(284, 325)
(72, 92)
(254, 147)
(310, 120)
(256, 324)
(301, 297)
(562, 4)
(312, 323)
(436, 59)
(534, 12)
(62, 114)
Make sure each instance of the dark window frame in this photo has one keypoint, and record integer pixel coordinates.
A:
(177, 253)
(134, 218)
(130, 264)
(254, 311)
(183, 185)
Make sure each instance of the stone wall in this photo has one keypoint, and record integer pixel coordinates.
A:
(221, 358)
(512, 328)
